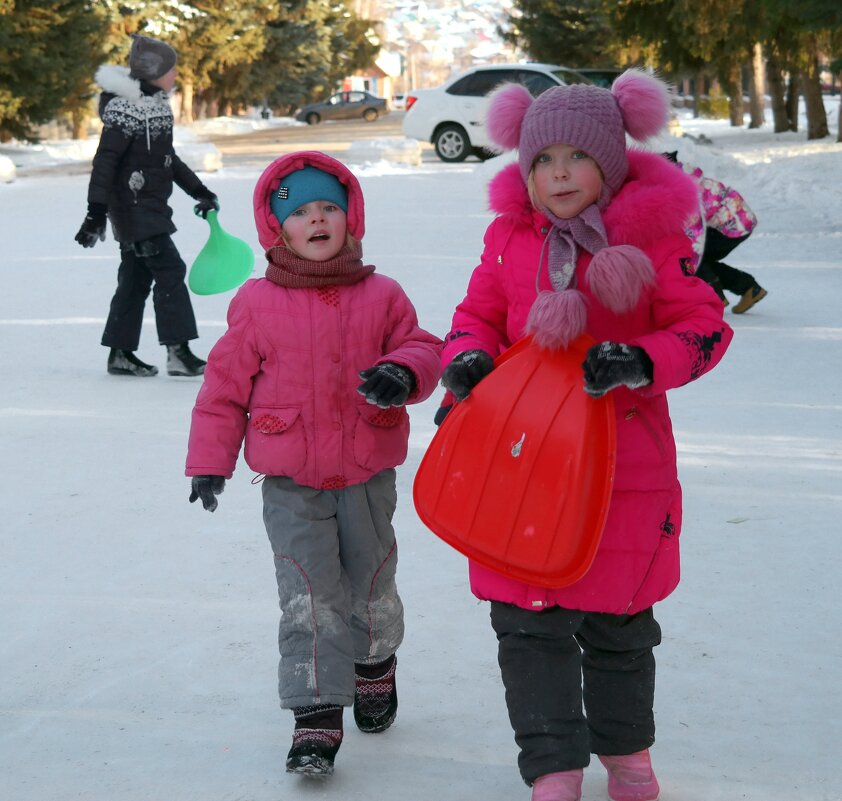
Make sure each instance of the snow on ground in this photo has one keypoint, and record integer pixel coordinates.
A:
(137, 632)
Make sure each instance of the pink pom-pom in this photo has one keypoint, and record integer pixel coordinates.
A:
(507, 107)
(557, 318)
(644, 103)
(618, 275)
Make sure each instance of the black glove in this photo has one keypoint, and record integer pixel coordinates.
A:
(466, 371)
(208, 201)
(93, 228)
(206, 488)
(387, 385)
(611, 364)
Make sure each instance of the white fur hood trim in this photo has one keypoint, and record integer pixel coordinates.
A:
(115, 79)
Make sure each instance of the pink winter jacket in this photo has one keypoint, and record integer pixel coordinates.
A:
(678, 323)
(284, 376)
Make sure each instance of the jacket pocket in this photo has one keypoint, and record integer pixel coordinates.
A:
(662, 574)
(645, 450)
(276, 441)
(380, 437)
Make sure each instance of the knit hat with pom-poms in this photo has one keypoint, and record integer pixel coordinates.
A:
(596, 121)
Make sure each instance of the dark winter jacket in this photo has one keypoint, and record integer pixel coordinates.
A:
(135, 164)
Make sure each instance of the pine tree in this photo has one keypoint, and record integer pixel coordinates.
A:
(311, 46)
(47, 52)
(573, 34)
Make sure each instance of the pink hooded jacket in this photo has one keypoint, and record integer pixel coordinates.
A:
(677, 321)
(284, 376)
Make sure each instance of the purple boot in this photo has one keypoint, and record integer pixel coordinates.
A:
(563, 786)
(630, 777)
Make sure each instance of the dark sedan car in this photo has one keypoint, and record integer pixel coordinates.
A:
(352, 105)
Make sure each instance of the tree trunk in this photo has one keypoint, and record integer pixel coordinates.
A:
(812, 88)
(698, 93)
(777, 92)
(734, 89)
(186, 117)
(792, 102)
(79, 118)
(839, 125)
(756, 89)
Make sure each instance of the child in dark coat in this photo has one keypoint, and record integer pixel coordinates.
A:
(134, 169)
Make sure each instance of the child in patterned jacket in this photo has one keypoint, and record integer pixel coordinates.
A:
(314, 372)
(728, 221)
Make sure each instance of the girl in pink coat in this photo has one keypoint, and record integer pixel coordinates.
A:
(314, 372)
(590, 237)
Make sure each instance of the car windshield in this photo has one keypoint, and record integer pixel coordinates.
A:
(570, 76)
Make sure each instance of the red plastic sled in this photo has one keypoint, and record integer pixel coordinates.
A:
(519, 475)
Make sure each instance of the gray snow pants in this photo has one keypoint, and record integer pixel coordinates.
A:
(335, 562)
(555, 660)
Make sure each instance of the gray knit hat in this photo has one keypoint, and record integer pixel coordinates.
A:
(149, 58)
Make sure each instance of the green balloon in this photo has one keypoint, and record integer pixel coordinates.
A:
(222, 264)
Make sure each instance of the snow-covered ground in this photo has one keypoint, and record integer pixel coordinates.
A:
(138, 632)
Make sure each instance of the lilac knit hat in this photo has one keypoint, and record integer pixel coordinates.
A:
(594, 120)
(587, 117)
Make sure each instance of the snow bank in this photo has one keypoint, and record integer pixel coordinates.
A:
(400, 151)
(7, 170)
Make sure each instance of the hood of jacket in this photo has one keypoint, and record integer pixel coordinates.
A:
(115, 80)
(656, 200)
(268, 227)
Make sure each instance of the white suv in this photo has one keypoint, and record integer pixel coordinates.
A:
(452, 116)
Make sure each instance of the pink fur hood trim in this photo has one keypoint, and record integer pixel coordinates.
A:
(655, 201)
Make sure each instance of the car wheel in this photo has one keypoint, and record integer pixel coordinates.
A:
(370, 115)
(313, 118)
(452, 143)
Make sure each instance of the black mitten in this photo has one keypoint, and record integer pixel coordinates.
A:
(208, 201)
(612, 364)
(387, 385)
(466, 371)
(206, 488)
(93, 228)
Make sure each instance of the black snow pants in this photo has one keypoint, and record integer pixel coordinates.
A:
(556, 660)
(719, 275)
(142, 263)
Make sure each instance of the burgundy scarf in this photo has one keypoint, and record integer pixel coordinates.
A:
(288, 269)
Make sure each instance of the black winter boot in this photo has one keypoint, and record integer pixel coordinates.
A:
(316, 739)
(181, 361)
(376, 696)
(124, 362)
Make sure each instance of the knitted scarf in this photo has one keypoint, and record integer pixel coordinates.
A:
(585, 230)
(287, 269)
(617, 277)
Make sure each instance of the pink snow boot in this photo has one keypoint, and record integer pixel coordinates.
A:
(563, 786)
(630, 777)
